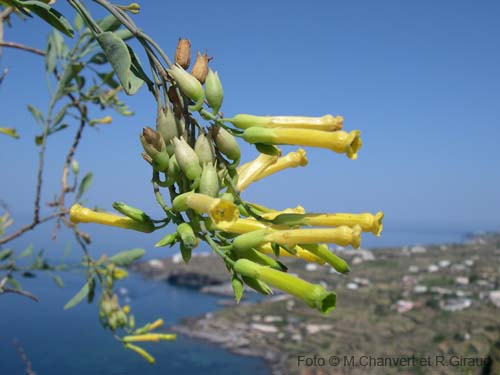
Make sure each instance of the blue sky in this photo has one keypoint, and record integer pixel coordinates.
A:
(419, 79)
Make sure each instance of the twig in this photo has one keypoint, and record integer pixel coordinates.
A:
(20, 292)
(22, 47)
(24, 357)
(28, 227)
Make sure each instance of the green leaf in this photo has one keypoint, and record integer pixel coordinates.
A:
(90, 296)
(99, 58)
(58, 281)
(237, 285)
(63, 85)
(185, 252)
(14, 283)
(288, 219)
(78, 297)
(276, 249)
(37, 115)
(84, 185)
(60, 115)
(267, 149)
(11, 132)
(78, 22)
(26, 252)
(47, 13)
(4, 254)
(50, 55)
(124, 258)
(118, 55)
(67, 250)
(109, 23)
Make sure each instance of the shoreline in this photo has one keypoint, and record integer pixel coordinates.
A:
(277, 328)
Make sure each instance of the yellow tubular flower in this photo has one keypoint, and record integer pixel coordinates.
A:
(219, 210)
(241, 226)
(80, 214)
(291, 160)
(301, 253)
(144, 354)
(326, 122)
(339, 141)
(254, 169)
(149, 337)
(156, 324)
(342, 235)
(368, 222)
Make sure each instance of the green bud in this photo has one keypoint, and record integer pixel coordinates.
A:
(322, 251)
(204, 149)
(187, 235)
(237, 285)
(186, 253)
(226, 143)
(113, 321)
(74, 166)
(121, 318)
(155, 147)
(131, 322)
(132, 212)
(209, 181)
(173, 168)
(249, 240)
(106, 307)
(257, 285)
(188, 85)
(169, 240)
(213, 91)
(258, 257)
(166, 125)
(187, 159)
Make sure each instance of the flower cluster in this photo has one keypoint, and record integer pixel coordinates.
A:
(200, 168)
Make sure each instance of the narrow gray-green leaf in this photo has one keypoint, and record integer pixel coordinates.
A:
(37, 115)
(4, 254)
(50, 55)
(78, 297)
(26, 252)
(118, 55)
(124, 258)
(48, 14)
(78, 22)
(60, 115)
(14, 283)
(84, 185)
(58, 281)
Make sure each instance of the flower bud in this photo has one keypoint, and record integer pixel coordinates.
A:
(226, 143)
(74, 166)
(169, 240)
(209, 182)
(166, 125)
(187, 159)
(155, 147)
(213, 91)
(188, 85)
(187, 235)
(200, 67)
(237, 286)
(119, 273)
(183, 53)
(204, 149)
(132, 212)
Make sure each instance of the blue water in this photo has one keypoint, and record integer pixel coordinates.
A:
(71, 342)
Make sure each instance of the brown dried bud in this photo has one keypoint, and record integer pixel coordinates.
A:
(183, 53)
(153, 138)
(200, 67)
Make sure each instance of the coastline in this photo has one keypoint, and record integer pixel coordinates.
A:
(391, 292)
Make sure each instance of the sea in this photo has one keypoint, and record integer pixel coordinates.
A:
(72, 342)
